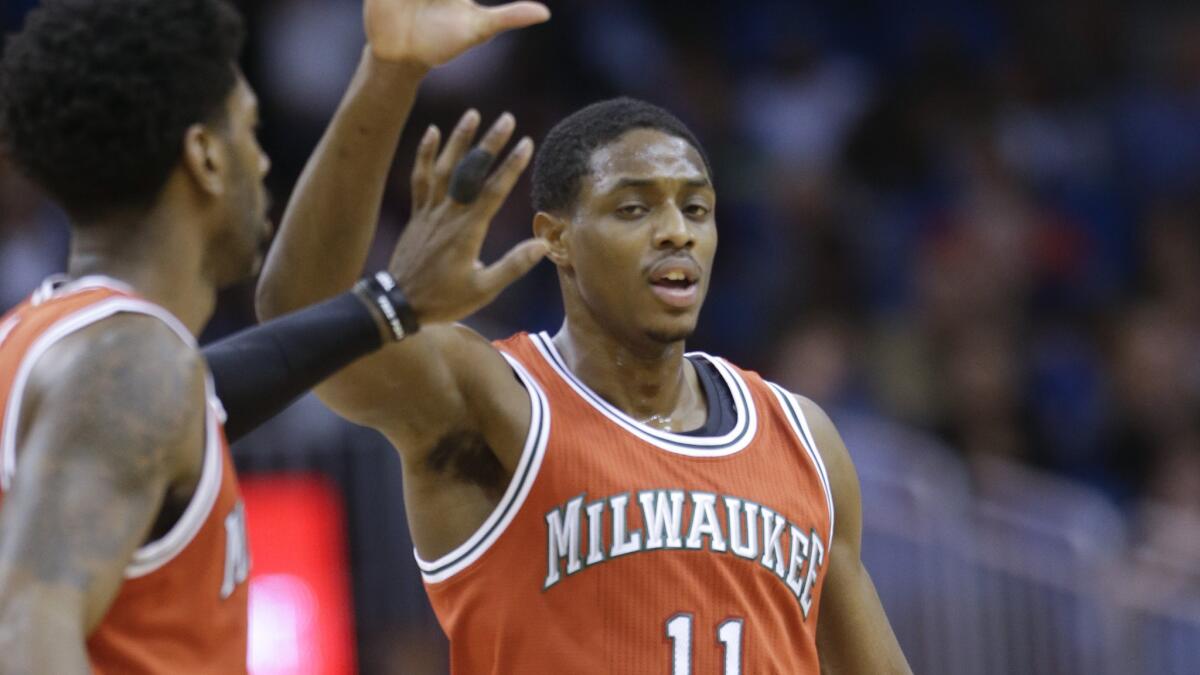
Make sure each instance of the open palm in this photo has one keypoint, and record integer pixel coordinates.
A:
(431, 32)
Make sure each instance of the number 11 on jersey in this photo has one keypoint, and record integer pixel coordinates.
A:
(729, 635)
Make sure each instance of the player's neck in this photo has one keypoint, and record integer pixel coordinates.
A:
(156, 255)
(655, 385)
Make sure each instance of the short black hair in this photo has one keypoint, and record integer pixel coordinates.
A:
(562, 160)
(96, 95)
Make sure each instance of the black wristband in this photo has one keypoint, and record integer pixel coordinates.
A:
(381, 289)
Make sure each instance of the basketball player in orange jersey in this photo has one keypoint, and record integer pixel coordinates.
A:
(598, 501)
(122, 543)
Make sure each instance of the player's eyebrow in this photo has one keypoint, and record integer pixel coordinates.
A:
(696, 182)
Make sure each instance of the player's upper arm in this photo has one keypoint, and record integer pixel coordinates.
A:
(843, 480)
(111, 416)
(853, 633)
(445, 378)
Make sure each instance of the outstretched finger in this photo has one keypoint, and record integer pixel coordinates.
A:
(514, 265)
(472, 171)
(455, 147)
(497, 136)
(422, 173)
(512, 16)
(501, 183)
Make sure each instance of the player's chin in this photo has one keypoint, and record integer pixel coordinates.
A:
(244, 269)
(677, 329)
(255, 265)
(672, 326)
(256, 253)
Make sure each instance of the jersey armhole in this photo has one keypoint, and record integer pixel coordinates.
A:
(154, 554)
(799, 424)
(510, 504)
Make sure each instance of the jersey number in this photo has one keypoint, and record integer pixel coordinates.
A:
(729, 634)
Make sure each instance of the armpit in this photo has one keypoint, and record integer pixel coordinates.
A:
(466, 456)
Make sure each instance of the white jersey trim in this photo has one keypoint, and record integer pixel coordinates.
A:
(157, 553)
(514, 497)
(799, 423)
(743, 432)
(58, 285)
(7, 327)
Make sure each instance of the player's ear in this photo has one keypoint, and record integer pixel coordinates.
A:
(553, 230)
(204, 158)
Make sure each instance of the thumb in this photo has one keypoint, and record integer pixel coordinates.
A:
(512, 16)
(514, 265)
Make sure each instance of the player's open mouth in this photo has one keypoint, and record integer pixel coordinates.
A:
(676, 282)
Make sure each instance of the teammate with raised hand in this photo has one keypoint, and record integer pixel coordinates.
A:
(597, 501)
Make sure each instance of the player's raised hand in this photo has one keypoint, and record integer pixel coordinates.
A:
(431, 32)
(436, 262)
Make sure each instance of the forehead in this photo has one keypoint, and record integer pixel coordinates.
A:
(644, 155)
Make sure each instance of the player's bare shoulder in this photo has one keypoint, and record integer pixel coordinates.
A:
(842, 477)
(494, 399)
(128, 381)
(477, 362)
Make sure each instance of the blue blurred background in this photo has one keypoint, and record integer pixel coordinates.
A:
(970, 231)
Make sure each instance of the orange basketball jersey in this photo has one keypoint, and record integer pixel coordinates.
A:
(619, 548)
(183, 605)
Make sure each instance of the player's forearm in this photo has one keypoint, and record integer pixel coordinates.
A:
(260, 370)
(854, 636)
(330, 220)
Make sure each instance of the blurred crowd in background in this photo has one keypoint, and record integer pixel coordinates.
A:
(967, 230)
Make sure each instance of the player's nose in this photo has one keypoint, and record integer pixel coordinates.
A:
(671, 230)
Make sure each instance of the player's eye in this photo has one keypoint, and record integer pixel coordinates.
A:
(696, 211)
(632, 211)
